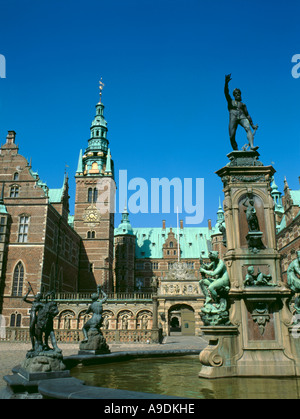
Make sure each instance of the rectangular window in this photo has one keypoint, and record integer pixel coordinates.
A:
(154, 266)
(14, 192)
(23, 229)
(190, 265)
(2, 224)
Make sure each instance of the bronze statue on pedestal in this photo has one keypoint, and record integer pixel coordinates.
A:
(238, 115)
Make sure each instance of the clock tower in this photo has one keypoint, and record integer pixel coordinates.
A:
(94, 207)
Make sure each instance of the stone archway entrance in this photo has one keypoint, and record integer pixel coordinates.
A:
(181, 320)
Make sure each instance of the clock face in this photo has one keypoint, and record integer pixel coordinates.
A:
(91, 215)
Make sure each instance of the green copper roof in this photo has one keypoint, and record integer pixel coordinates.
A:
(194, 241)
(3, 209)
(125, 226)
(55, 195)
(71, 220)
(295, 195)
(98, 141)
(108, 162)
(96, 159)
(79, 165)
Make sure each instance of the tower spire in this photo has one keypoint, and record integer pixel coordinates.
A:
(96, 159)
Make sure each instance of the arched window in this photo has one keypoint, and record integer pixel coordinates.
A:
(90, 195)
(93, 234)
(16, 176)
(18, 280)
(18, 322)
(171, 244)
(93, 192)
(15, 320)
(95, 197)
(12, 320)
(88, 235)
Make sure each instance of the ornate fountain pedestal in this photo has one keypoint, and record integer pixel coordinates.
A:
(260, 338)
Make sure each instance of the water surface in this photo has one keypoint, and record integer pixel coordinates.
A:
(178, 376)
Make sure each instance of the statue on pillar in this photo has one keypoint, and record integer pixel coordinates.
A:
(251, 216)
(238, 115)
(93, 337)
(254, 236)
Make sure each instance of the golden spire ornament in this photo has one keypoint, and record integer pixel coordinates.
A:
(101, 85)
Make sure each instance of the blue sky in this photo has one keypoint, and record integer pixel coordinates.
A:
(163, 64)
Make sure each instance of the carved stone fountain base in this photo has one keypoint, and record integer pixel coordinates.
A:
(95, 345)
(45, 362)
(262, 343)
(223, 357)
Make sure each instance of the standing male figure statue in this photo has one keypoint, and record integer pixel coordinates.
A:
(238, 115)
(96, 308)
(251, 215)
(36, 305)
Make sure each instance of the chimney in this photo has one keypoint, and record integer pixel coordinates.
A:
(164, 224)
(181, 224)
(11, 136)
(209, 224)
